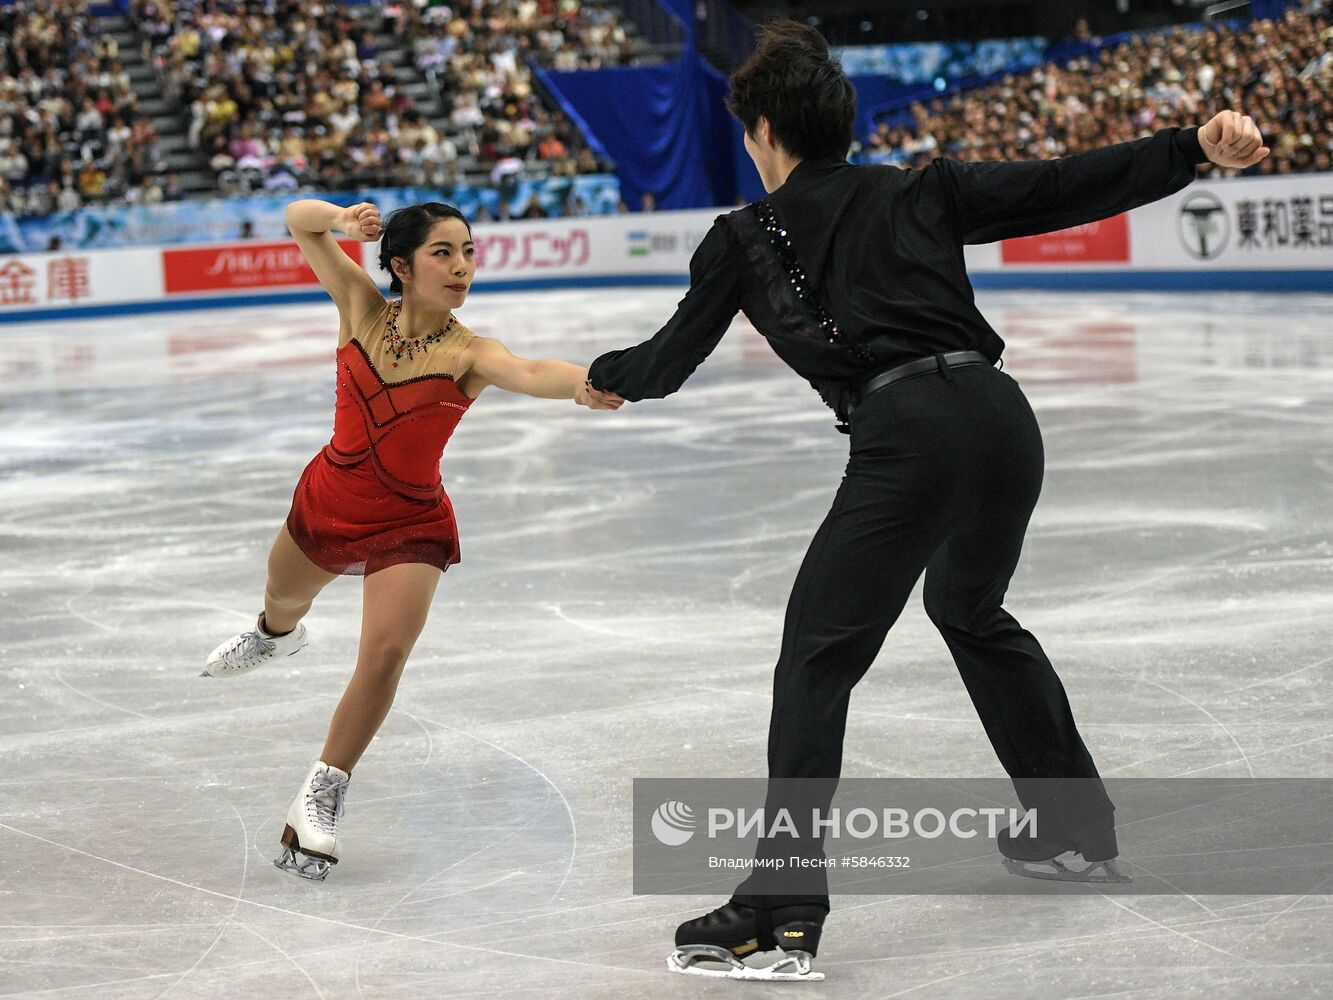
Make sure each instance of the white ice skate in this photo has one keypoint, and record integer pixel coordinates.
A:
(248, 650)
(310, 839)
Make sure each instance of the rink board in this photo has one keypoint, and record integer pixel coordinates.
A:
(1261, 234)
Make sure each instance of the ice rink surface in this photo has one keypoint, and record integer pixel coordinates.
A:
(616, 615)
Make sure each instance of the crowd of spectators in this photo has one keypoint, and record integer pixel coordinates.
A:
(1278, 72)
(286, 93)
(70, 128)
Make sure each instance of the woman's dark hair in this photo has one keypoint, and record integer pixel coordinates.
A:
(406, 229)
(795, 83)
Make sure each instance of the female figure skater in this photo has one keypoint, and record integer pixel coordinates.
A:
(855, 275)
(371, 502)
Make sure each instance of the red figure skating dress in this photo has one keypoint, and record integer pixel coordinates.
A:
(373, 497)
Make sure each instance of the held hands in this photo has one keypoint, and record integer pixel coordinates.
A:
(594, 399)
(361, 222)
(1231, 139)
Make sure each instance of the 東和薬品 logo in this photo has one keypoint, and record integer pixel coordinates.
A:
(1204, 225)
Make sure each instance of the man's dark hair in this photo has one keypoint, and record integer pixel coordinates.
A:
(407, 229)
(795, 83)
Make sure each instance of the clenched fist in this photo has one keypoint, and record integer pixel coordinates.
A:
(361, 222)
(1231, 139)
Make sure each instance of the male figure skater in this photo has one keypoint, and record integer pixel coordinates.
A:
(855, 275)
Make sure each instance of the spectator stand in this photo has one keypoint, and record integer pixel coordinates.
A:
(148, 101)
(1279, 71)
(81, 120)
(376, 94)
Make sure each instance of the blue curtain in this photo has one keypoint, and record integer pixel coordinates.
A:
(665, 127)
(1268, 9)
(683, 9)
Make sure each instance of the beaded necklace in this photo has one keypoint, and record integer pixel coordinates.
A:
(402, 347)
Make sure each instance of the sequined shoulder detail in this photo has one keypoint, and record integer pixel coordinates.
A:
(797, 310)
(780, 241)
(769, 250)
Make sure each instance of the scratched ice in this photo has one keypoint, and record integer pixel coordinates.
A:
(617, 614)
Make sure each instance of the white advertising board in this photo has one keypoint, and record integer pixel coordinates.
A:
(1249, 234)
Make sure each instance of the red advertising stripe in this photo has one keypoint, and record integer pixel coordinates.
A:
(241, 265)
(1096, 242)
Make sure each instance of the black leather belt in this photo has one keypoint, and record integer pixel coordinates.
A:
(922, 366)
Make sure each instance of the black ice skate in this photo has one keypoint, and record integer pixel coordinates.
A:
(1039, 857)
(730, 932)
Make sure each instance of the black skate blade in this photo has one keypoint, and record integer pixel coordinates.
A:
(1111, 871)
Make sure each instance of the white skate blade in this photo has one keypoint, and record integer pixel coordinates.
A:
(1055, 871)
(314, 869)
(792, 967)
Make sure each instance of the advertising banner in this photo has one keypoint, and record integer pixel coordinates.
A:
(246, 266)
(659, 244)
(1271, 223)
(1252, 234)
(222, 220)
(36, 282)
(1101, 242)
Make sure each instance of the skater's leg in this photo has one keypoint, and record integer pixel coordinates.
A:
(851, 588)
(394, 609)
(395, 603)
(892, 511)
(1018, 696)
(293, 583)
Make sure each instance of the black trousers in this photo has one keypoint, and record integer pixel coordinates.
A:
(943, 475)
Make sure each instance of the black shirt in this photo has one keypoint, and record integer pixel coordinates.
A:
(883, 249)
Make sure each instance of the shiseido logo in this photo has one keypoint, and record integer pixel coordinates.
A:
(252, 261)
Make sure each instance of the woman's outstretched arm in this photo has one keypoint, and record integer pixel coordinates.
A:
(490, 361)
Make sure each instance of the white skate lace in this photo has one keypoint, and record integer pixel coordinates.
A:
(328, 796)
(246, 645)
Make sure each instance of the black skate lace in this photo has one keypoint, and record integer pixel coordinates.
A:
(242, 650)
(328, 795)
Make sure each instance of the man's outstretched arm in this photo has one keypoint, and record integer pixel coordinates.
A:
(1000, 200)
(661, 364)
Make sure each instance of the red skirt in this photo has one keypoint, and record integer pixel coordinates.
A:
(347, 521)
